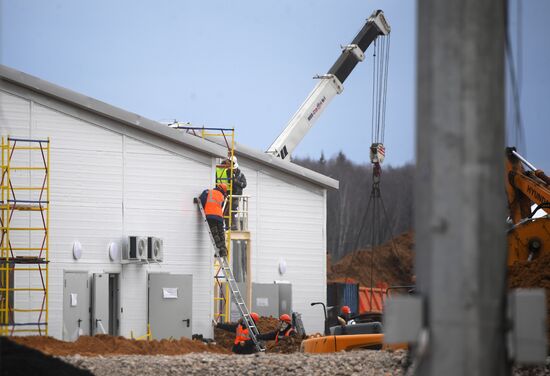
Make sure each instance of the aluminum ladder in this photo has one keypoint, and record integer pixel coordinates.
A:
(233, 287)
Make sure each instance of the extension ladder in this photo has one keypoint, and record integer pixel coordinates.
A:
(233, 287)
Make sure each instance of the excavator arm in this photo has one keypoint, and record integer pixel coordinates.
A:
(528, 237)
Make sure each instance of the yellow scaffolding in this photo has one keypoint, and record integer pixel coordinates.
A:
(222, 295)
(20, 195)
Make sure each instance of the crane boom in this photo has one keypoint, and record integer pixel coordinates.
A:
(329, 86)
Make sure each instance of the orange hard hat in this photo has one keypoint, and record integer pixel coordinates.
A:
(286, 318)
(345, 309)
(255, 316)
(222, 187)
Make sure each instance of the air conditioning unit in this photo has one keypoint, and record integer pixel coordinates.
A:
(154, 248)
(135, 249)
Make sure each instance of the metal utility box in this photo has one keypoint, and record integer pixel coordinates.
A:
(285, 298)
(170, 305)
(272, 299)
(76, 305)
(265, 299)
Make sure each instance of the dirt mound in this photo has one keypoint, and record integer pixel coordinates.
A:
(529, 274)
(110, 345)
(391, 263)
(285, 345)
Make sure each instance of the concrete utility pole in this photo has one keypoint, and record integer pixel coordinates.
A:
(460, 203)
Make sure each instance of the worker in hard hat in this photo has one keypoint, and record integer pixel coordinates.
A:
(344, 317)
(284, 330)
(212, 201)
(238, 184)
(243, 343)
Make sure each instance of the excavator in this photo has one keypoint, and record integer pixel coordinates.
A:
(529, 233)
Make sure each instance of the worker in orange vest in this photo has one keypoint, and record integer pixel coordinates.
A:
(243, 343)
(212, 201)
(285, 330)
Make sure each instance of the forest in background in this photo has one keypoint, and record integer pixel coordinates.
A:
(349, 225)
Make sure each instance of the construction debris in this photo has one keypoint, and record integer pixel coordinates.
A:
(391, 265)
(110, 345)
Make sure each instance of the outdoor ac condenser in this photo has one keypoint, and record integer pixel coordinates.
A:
(135, 249)
(154, 248)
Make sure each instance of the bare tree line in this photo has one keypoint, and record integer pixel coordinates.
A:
(349, 225)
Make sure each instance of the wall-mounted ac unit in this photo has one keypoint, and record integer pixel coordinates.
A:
(135, 249)
(154, 248)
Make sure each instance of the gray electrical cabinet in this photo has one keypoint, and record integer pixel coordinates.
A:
(285, 298)
(265, 299)
(76, 305)
(272, 299)
(100, 303)
(170, 305)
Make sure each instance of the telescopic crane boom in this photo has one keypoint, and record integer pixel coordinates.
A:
(329, 86)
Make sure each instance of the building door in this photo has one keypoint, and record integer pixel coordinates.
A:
(76, 305)
(170, 305)
(100, 303)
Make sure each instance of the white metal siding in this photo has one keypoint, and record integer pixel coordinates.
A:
(291, 226)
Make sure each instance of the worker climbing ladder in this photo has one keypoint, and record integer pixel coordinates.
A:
(233, 287)
(224, 277)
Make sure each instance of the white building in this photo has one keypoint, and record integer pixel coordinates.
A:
(115, 174)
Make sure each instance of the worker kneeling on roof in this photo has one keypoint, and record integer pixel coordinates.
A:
(243, 343)
(212, 202)
(285, 330)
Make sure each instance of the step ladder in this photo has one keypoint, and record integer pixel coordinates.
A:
(233, 287)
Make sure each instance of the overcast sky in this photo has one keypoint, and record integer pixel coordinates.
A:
(249, 64)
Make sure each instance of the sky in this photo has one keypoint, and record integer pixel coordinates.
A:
(249, 65)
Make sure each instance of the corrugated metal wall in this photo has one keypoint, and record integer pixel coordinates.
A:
(107, 185)
(290, 226)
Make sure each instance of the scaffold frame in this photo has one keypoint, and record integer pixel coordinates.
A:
(15, 255)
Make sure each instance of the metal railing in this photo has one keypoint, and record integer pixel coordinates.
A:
(240, 213)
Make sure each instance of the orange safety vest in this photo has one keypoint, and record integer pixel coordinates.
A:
(214, 203)
(242, 335)
(287, 334)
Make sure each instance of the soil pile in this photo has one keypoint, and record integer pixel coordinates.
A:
(110, 345)
(285, 345)
(529, 274)
(391, 263)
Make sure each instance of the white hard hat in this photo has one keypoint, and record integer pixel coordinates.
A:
(235, 164)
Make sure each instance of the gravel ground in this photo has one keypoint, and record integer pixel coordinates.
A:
(353, 363)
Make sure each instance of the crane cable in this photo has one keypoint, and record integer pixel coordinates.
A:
(378, 127)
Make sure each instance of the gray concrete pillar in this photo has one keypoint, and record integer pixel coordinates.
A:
(459, 190)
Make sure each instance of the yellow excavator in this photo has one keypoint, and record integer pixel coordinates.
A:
(529, 234)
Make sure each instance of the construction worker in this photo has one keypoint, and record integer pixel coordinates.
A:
(285, 330)
(243, 343)
(212, 201)
(222, 172)
(344, 316)
(238, 184)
